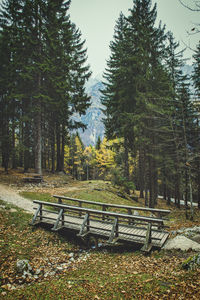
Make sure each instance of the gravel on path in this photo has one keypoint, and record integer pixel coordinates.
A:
(10, 195)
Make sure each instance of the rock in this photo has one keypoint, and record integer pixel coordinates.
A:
(196, 238)
(13, 210)
(52, 273)
(72, 259)
(23, 265)
(181, 242)
(38, 271)
(71, 254)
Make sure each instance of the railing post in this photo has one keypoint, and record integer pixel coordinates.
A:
(88, 222)
(117, 228)
(40, 212)
(147, 244)
(63, 218)
(103, 209)
(129, 220)
(80, 205)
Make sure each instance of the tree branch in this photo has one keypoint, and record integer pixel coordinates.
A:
(190, 8)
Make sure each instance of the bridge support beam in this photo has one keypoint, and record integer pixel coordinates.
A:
(38, 212)
(86, 223)
(55, 227)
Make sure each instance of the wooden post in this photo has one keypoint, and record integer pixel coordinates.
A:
(36, 214)
(103, 209)
(114, 231)
(147, 244)
(85, 223)
(130, 213)
(55, 227)
(40, 212)
(80, 205)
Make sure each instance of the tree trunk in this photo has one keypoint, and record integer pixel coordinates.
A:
(38, 141)
(62, 149)
(126, 163)
(141, 172)
(53, 150)
(58, 167)
(14, 162)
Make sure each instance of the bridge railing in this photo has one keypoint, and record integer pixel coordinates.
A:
(160, 213)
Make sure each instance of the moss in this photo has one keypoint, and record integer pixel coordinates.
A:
(192, 263)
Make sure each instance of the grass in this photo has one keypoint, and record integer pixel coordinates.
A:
(37, 196)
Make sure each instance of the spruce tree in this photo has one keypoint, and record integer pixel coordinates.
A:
(134, 76)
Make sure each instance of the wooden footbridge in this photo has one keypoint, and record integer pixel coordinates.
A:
(123, 226)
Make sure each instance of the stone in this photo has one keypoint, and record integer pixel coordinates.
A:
(181, 242)
(52, 273)
(38, 271)
(196, 238)
(13, 210)
(72, 259)
(23, 265)
(71, 254)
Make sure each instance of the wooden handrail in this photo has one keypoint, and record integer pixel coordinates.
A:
(99, 212)
(155, 210)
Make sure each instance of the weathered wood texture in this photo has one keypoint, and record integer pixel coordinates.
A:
(105, 206)
(112, 226)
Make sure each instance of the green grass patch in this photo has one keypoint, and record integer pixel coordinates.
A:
(36, 196)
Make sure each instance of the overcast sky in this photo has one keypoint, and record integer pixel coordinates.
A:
(96, 20)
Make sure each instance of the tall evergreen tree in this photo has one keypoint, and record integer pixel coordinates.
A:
(134, 71)
(46, 68)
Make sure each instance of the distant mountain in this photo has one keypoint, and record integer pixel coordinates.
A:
(94, 115)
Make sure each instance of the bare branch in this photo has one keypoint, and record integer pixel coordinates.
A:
(197, 8)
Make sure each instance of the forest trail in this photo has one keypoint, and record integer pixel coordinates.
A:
(11, 196)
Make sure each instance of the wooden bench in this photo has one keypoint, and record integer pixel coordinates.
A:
(33, 178)
(112, 226)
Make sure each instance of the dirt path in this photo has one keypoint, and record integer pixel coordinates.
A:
(10, 195)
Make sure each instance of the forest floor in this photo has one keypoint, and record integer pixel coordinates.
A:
(63, 269)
